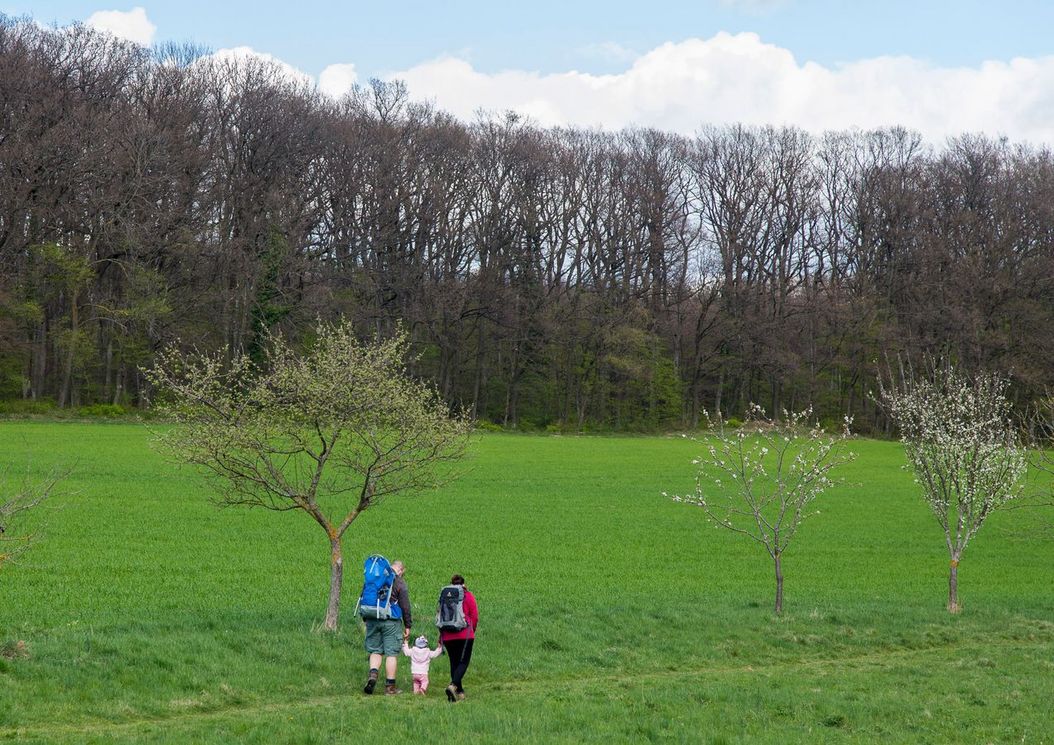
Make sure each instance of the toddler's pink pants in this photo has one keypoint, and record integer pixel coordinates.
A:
(420, 684)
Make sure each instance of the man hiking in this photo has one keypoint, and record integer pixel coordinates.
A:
(385, 636)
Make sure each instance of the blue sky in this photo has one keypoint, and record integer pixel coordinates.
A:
(939, 66)
(557, 35)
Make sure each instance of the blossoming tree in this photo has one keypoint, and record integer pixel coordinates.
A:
(330, 432)
(760, 479)
(964, 450)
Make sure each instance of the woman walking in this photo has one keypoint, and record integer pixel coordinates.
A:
(458, 644)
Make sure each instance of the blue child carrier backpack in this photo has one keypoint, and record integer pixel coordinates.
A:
(378, 582)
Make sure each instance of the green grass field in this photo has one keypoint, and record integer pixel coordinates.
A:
(608, 613)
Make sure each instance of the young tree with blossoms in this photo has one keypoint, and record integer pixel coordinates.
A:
(330, 431)
(761, 479)
(964, 450)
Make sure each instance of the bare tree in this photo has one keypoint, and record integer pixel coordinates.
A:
(760, 479)
(1038, 422)
(15, 535)
(546, 275)
(964, 450)
(331, 432)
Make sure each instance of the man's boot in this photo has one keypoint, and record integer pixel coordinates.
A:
(390, 689)
(371, 682)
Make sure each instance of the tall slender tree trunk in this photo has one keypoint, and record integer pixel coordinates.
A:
(446, 362)
(40, 361)
(118, 388)
(953, 586)
(336, 581)
(512, 392)
(569, 387)
(477, 384)
(779, 582)
(720, 388)
(108, 376)
(66, 392)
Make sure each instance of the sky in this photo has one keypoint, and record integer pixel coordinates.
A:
(942, 67)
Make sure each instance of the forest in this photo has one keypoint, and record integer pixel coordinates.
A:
(548, 277)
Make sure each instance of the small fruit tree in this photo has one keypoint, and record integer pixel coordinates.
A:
(760, 479)
(15, 534)
(964, 450)
(330, 432)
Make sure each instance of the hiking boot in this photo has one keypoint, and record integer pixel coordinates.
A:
(371, 682)
(460, 695)
(451, 693)
(391, 690)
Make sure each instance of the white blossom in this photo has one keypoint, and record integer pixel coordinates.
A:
(765, 474)
(962, 447)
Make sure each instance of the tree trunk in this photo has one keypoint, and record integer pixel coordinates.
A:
(108, 377)
(336, 580)
(720, 387)
(477, 385)
(118, 388)
(779, 583)
(953, 587)
(511, 393)
(66, 395)
(40, 361)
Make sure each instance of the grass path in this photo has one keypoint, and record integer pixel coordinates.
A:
(534, 688)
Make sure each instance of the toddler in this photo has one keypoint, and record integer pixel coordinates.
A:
(420, 658)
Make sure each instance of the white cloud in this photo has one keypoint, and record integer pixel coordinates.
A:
(132, 25)
(729, 78)
(241, 53)
(336, 80)
(739, 78)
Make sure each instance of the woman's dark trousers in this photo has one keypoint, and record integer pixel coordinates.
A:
(460, 653)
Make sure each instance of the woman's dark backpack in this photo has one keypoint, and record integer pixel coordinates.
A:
(451, 613)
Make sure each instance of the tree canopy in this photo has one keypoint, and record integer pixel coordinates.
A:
(547, 276)
(330, 431)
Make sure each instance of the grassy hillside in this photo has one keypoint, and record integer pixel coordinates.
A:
(609, 613)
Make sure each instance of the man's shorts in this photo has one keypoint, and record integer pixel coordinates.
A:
(384, 637)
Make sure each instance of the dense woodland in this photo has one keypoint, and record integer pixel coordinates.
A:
(548, 276)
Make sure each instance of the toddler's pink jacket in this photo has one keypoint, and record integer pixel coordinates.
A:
(420, 658)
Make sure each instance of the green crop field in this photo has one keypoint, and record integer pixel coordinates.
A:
(608, 612)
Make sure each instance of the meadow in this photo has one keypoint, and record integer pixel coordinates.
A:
(608, 612)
